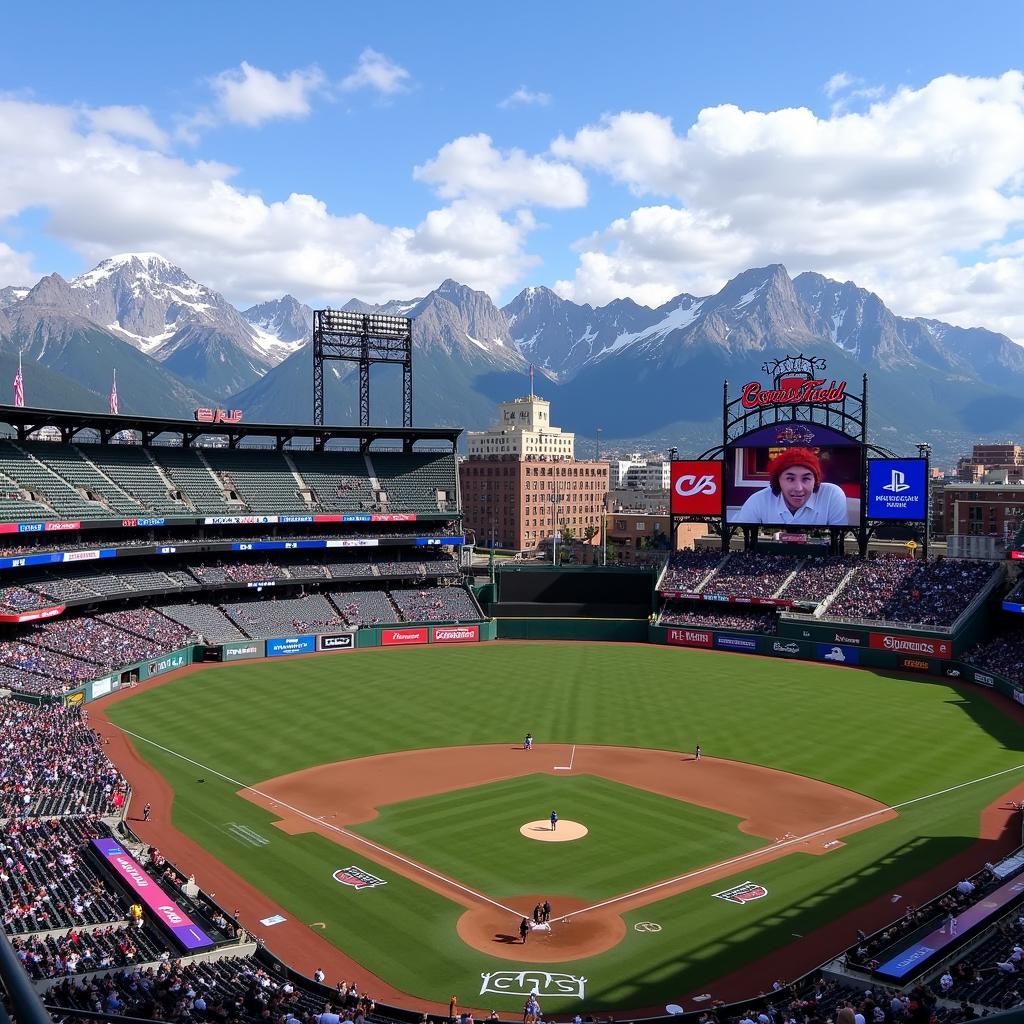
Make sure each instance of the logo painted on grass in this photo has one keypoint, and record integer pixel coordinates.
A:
(745, 892)
(647, 926)
(357, 878)
(532, 982)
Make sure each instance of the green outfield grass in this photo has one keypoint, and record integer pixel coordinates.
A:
(892, 739)
(635, 837)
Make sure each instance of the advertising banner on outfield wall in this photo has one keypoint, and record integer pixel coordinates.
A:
(728, 642)
(782, 648)
(281, 646)
(915, 665)
(455, 634)
(336, 642)
(690, 637)
(242, 650)
(168, 663)
(401, 637)
(983, 679)
(924, 646)
(838, 654)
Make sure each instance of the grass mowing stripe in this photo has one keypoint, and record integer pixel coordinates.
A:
(842, 727)
(325, 824)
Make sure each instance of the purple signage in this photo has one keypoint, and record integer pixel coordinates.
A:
(904, 962)
(189, 935)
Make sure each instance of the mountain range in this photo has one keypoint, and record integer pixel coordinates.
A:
(647, 377)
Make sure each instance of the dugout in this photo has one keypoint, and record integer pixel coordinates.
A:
(604, 592)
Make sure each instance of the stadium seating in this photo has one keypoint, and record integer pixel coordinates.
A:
(205, 620)
(261, 478)
(419, 482)
(68, 462)
(436, 604)
(365, 607)
(192, 476)
(751, 574)
(687, 570)
(338, 480)
(709, 617)
(132, 469)
(1003, 655)
(33, 476)
(262, 618)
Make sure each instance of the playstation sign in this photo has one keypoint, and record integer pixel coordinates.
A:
(898, 489)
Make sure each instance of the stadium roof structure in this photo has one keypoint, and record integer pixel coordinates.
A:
(105, 427)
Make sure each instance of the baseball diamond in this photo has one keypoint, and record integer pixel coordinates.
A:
(821, 793)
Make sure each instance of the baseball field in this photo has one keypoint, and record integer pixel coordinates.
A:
(382, 805)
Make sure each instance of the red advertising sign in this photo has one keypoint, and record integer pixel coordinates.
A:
(793, 391)
(400, 637)
(928, 647)
(455, 634)
(1017, 555)
(697, 487)
(914, 664)
(219, 415)
(690, 637)
(34, 615)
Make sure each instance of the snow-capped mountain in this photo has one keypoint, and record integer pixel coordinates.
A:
(155, 306)
(560, 337)
(636, 372)
(282, 326)
(464, 362)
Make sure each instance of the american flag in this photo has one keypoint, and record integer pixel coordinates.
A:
(19, 387)
(113, 396)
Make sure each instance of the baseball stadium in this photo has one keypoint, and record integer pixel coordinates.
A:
(267, 740)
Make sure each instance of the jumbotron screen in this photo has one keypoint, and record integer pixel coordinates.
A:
(795, 475)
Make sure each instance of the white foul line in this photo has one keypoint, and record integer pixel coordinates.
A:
(566, 767)
(782, 844)
(323, 824)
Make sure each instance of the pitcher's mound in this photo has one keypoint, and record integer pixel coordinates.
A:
(566, 832)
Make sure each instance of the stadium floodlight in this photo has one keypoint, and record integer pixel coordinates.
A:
(363, 338)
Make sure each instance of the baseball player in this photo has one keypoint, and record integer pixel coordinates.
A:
(528, 741)
(696, 753)
(554, 820)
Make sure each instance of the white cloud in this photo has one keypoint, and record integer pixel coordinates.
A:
(470, 166)
(838, 83)
(104, 195)
(15, 267)
(375, 71)
(523, 97)
(250, 95)
(128, 122)
(890, 197)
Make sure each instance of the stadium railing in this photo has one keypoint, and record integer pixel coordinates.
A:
(25, 1005)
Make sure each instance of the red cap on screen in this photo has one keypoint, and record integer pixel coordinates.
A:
(794, 457)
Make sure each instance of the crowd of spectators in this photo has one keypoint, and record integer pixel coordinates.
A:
(103, 645)
(710, 617)
(149, 623)
(751, 574)
(899, 589)
(229, 989)
(1003, 655)
(864, 954)
(436, 604)
(52, 762)
(818, 577)
(84, 949)
(687, 569)
(993, 972)
(44, 881)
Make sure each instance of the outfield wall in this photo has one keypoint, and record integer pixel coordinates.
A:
(850, 648)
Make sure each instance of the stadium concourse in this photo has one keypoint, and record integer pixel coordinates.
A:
(118, 556)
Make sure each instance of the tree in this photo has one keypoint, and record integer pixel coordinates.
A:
(589, 533)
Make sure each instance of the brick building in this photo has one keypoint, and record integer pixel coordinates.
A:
(983, 510)
(1004, 459)
(516, 500)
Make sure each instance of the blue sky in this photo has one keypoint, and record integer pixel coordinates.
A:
(598, 148)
